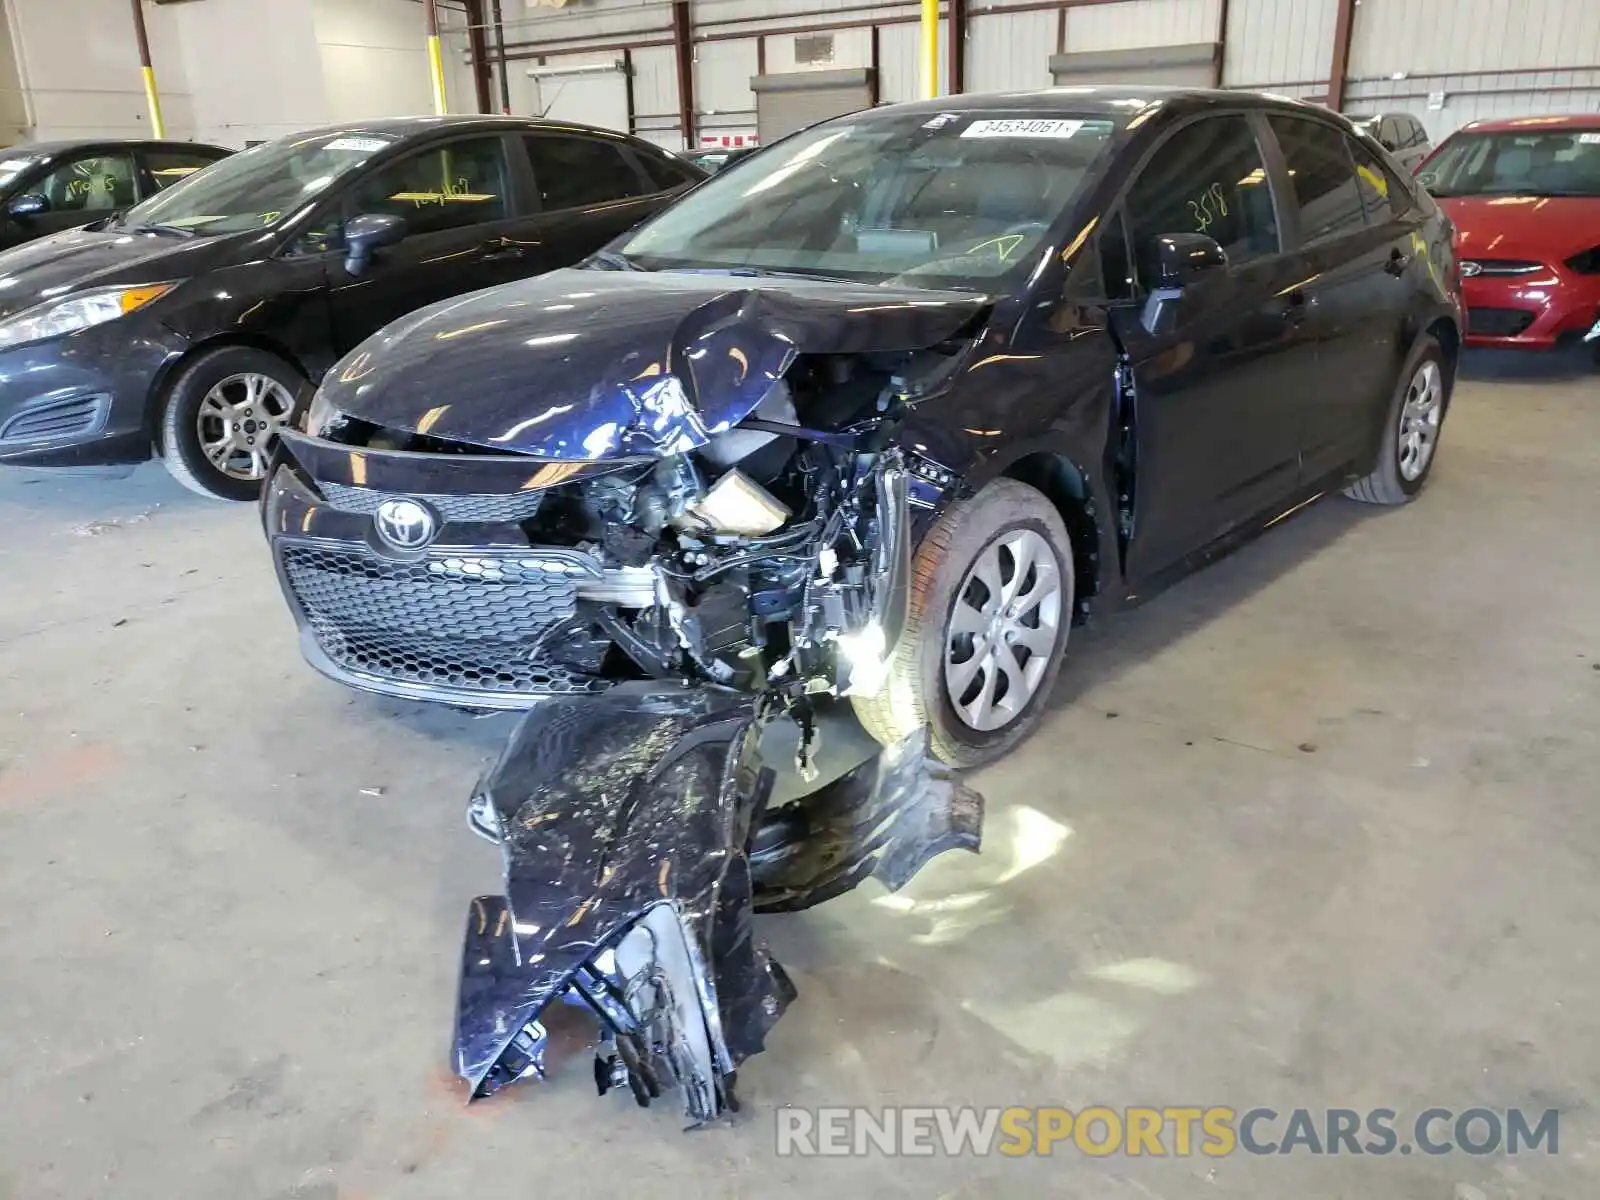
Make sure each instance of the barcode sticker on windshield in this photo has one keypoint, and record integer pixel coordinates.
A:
(367, 145)
(1022, 129)
(1589, 139)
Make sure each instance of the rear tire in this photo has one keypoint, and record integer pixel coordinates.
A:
(221, 416)
(1411, 428)
(958, 630)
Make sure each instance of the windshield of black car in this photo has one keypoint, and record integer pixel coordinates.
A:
(1523, 163)
(259, 186)
(12, 165)
(941, 200)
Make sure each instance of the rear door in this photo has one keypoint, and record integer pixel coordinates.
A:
(590, 189)
(1355, 304)
(465, 230)
(1219, 390)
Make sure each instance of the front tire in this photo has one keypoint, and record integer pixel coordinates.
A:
(1411, 429)
(992, 597)
(221, 417)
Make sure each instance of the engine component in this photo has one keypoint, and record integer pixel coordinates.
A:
(737, 505)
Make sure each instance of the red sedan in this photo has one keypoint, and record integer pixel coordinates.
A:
(1525, 198)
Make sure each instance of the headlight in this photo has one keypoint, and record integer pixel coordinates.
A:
(56, 318)
(321, 413)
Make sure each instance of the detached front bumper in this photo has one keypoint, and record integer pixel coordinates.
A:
(83, 400)
(1532, 312)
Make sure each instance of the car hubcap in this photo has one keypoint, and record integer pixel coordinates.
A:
(239, 418)
(1003, 630)
(1419, 420)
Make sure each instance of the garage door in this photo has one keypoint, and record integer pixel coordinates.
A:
(1195, 65)
(796, 99)
(593, 98)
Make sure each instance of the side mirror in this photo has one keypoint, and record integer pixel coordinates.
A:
(1178, 261)
(365, 235)
(29, 204)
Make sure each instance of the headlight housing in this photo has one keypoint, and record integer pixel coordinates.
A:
(80, 310)
(320, 414)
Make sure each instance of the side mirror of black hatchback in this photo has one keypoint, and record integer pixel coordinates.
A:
(1178, 261)
(29, 204)
(366, 234)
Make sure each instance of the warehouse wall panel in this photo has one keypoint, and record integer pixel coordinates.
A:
(375, 61)
(1009, 51)
(1272, 43)
(851, 48)
(900, 65)
(1139, 23)
(1409, 36)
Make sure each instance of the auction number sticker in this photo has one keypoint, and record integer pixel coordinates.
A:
(1022, 129)
(1589, 139)
(366, 145)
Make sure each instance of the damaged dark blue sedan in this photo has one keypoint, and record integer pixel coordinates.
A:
(881, 412)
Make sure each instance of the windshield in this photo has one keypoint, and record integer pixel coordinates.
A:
(1545, 163)
(955, 200)
(12, 165)
(259, 186)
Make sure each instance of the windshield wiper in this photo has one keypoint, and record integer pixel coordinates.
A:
(182, 231)
(616, 260)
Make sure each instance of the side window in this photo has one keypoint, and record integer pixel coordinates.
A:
(1324, 178)
(665, 172)
(167, 167)
(571, 171)
(1208, 178)
(447, 187)
(91, 184)
(1389, 135)
(1382, 195)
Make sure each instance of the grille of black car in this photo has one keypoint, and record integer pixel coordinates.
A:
(1498, 322)
(62, 419)
(508, 509)
(457, 621)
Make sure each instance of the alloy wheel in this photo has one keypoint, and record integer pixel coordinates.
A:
(238, 420)
(1420, 417)
(1004, 627)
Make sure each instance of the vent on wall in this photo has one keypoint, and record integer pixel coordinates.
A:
(813, 49)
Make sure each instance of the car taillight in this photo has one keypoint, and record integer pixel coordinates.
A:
(1587, 263)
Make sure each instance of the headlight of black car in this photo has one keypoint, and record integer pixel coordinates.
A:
(321, 414)
(69, 314)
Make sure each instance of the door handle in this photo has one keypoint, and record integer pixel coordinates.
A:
(1397, 263)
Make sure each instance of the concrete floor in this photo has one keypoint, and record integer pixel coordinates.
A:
(1316, 828)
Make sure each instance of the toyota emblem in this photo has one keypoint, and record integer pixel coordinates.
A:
(406, 524)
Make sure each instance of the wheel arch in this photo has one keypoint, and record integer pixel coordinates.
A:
(161, 386)
(1070, 490)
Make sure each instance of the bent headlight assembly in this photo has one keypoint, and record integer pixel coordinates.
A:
(320, 414)
(80, 310)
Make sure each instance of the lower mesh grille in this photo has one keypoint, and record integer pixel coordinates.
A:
(63, 419)
(462, 622)
(1498, 322)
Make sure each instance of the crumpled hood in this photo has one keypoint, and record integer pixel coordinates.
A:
(1537, 228)
(85, 258)
(591, 364)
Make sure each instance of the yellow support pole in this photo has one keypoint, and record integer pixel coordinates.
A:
(930, 49)
(441, 102)
(158, 127)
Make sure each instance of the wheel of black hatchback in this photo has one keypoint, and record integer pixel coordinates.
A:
(992, 596)
(221, 415)
(1411, 429)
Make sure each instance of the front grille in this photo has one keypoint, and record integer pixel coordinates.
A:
(1498, 322)
(455, 621)
(62, 419)
(511, 508)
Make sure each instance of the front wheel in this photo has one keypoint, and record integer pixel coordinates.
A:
(1411, 429)
(221, 417)
(992, 596)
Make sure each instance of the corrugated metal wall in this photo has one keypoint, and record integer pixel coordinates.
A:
(1488, 57)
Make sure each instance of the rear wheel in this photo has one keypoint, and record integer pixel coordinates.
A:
(1411, 430)
(991, 603)
(221, 417)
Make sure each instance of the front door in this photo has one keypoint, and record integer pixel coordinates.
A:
(463, 232)
(590, 190)
(1218, 385)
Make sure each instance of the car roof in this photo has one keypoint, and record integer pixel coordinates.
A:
(52, 149)
(409, 127)
(1555, 123)
(1117, 101)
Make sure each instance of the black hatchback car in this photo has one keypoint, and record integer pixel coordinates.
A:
(1054, 348)
(192, 324)
(47, 187)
